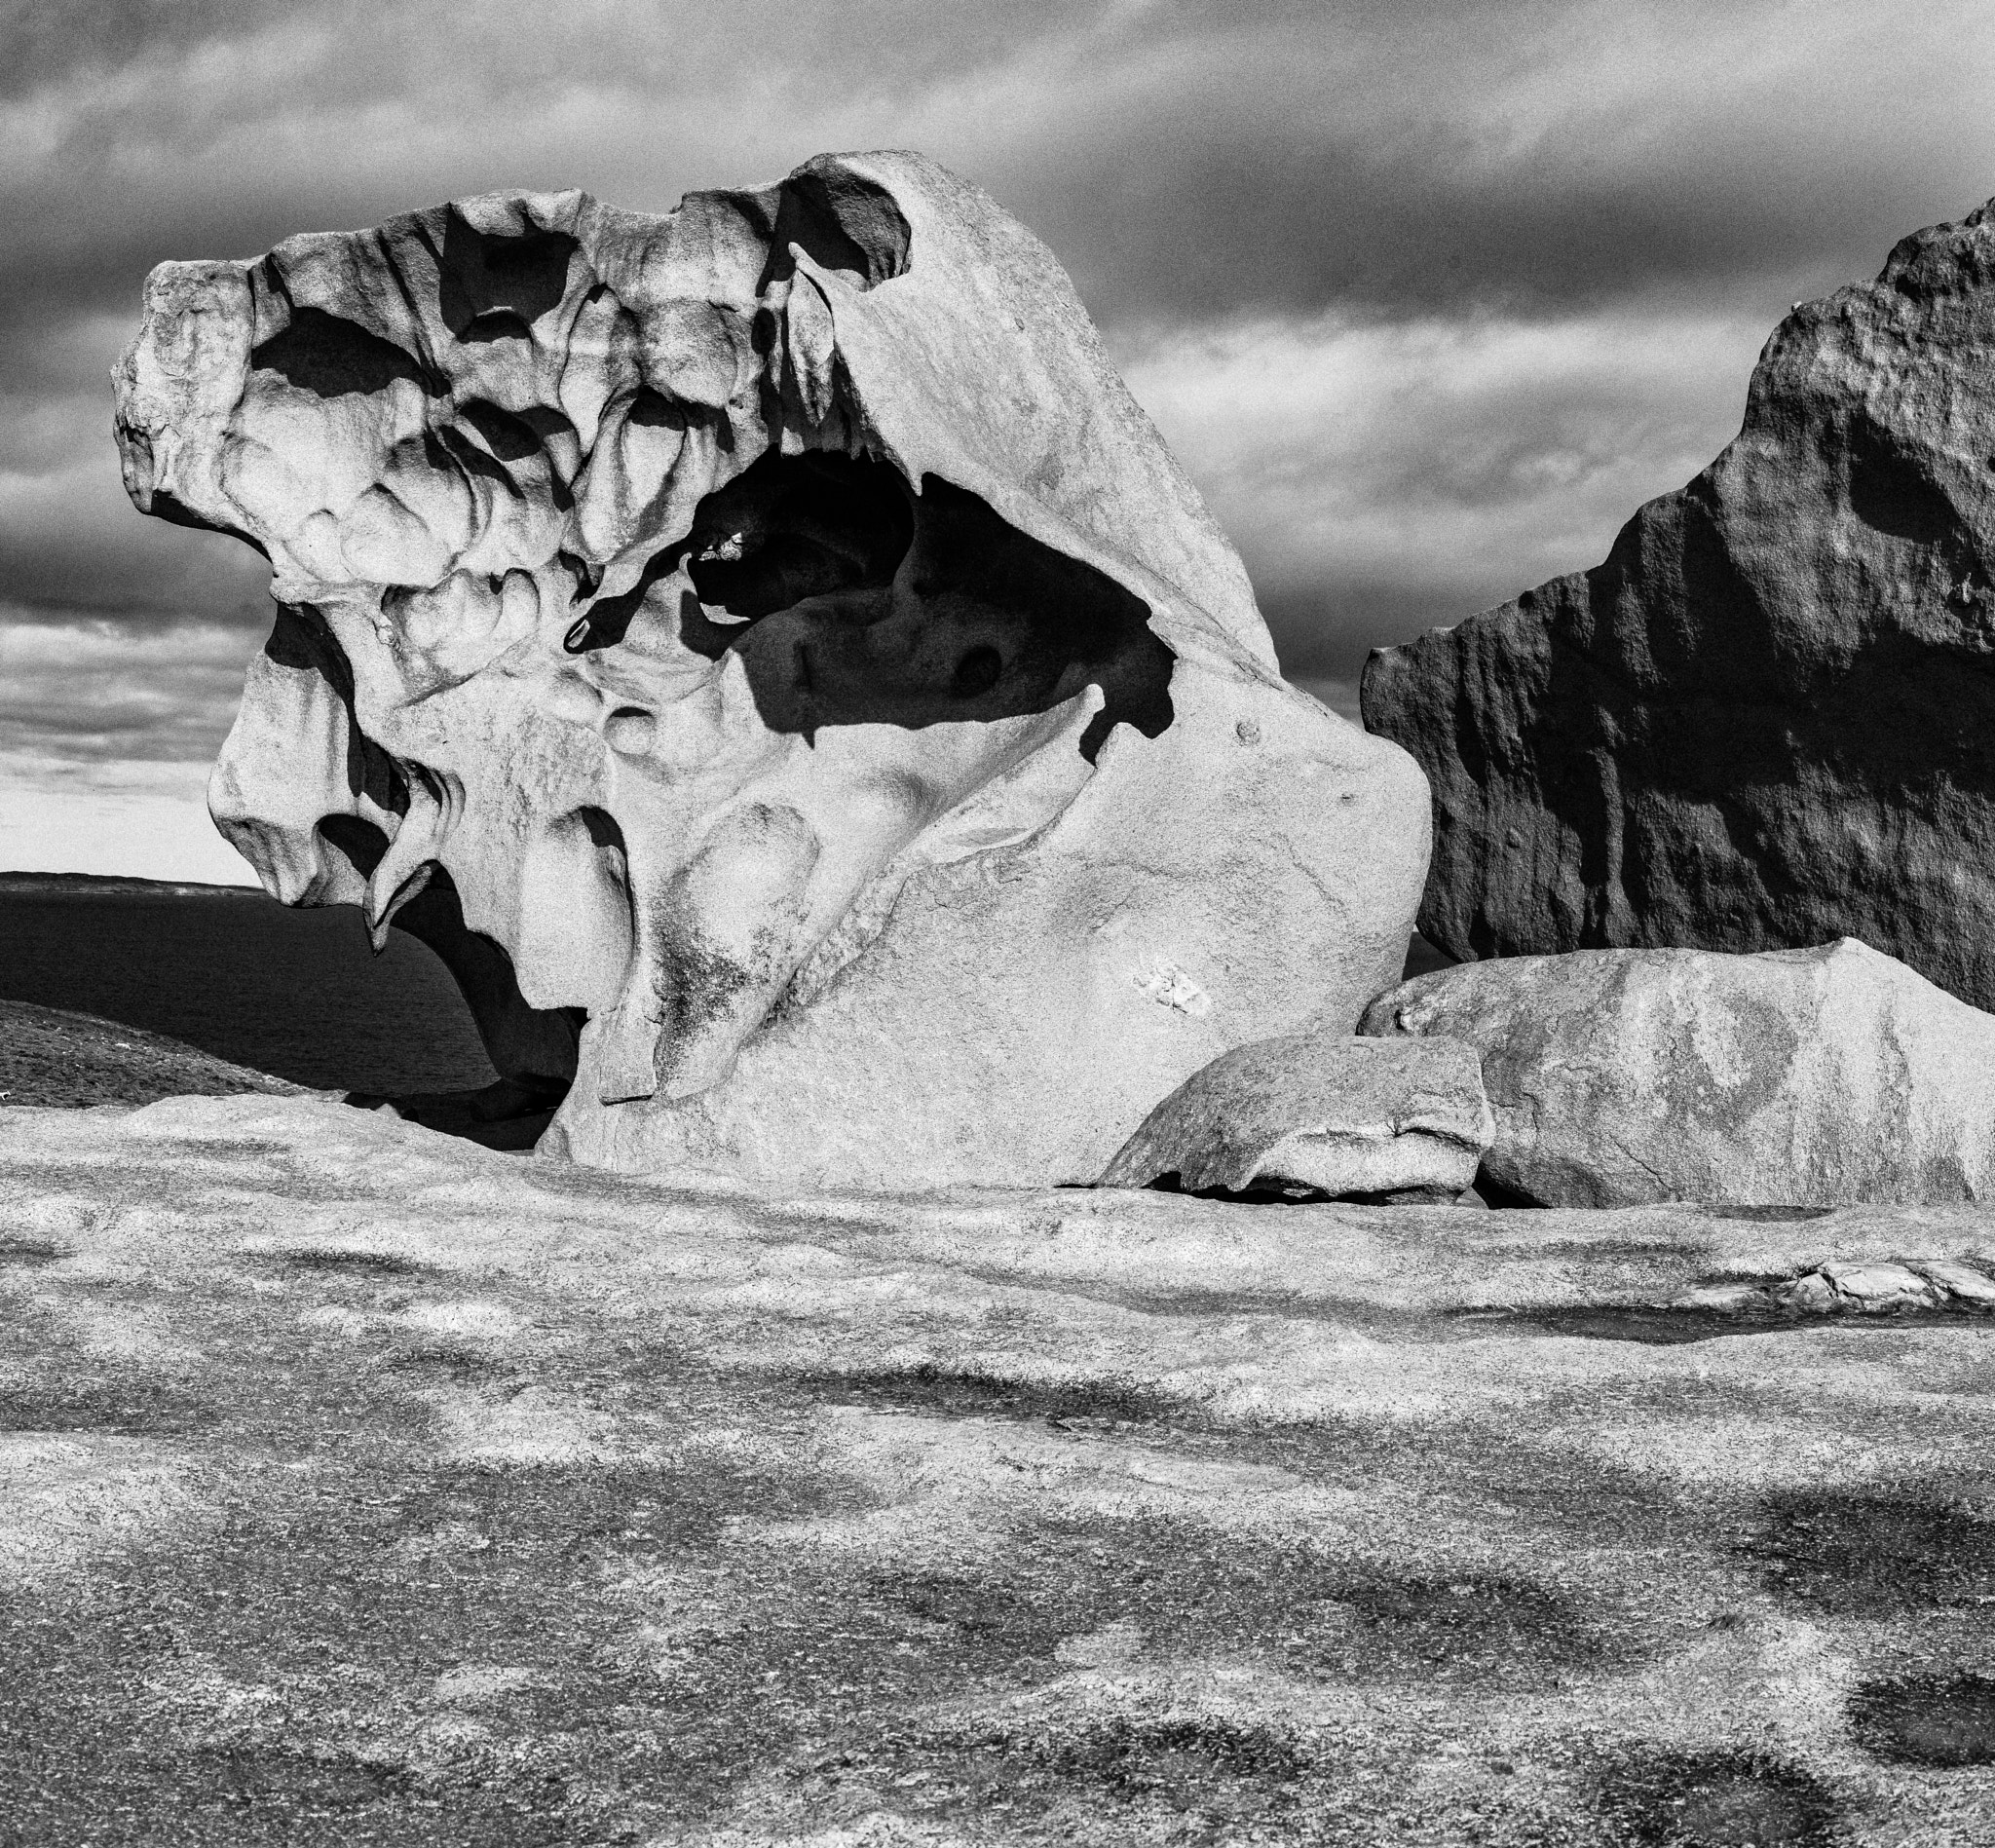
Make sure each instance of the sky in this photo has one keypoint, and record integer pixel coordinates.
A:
(1428, 297)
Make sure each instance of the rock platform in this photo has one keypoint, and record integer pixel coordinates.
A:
(360, 1484)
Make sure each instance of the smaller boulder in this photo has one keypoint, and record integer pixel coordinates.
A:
(1310, 1117)
(1810, 1077)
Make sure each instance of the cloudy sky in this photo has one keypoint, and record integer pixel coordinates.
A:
(1427, 294)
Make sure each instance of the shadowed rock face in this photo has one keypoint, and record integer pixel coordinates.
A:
(1763, 721)
(770, 656)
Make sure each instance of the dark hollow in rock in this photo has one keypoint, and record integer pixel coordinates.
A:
(493, 287)
(331, 356)
(792, 527)
(1927, 1719)
(1717, 1799)
(852, 601)
(1871, 1554)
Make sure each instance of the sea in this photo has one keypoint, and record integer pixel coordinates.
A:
(295, 993)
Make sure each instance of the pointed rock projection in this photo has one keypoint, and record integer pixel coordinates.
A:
(1810, 1077)
(769, 655)
(1768, 719)
(1317, 1116)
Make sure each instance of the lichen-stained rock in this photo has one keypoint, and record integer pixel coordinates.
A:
(360, 1476)
(1798, 1077)
(1766, 720)
(770, 656)
(1318, 1115)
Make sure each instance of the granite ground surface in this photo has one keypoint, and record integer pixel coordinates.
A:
(362, 1485)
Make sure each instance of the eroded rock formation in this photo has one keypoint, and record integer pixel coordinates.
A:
(1818, 1076)
(769, 655)
(1765, 721)
(1319, 1116)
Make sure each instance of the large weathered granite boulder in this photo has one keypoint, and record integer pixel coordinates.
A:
(1794, 1076)
(767, 653)
(457, 1500)
(1765, 721)
(1316, 1115)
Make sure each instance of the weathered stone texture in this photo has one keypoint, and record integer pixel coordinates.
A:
(1318, 1115)
(461, 1500)
(1802, 1076)
(771, 659)
(1768, 718)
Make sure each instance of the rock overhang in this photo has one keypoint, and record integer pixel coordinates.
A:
(652, 589)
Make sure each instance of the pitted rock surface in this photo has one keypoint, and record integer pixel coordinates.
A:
(359, 1486)
(1322, 1116)
(770, 658)
(1764, 721)
(1798, 1076)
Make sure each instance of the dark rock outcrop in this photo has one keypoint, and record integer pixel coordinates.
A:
(1766, 720)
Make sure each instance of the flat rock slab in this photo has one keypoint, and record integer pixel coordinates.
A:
(362, 1485)
(1319, 1116)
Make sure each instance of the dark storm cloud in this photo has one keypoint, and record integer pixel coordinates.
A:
(1387, 197)
(1185, 161)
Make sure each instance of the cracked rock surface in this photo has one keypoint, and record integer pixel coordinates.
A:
(1791, 1077)
(770, 656)
(360, 1485)
(1763, 721)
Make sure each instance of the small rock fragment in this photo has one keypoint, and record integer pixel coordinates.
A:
(1310, 1116)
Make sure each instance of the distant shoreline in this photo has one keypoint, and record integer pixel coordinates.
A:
(115, 886)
